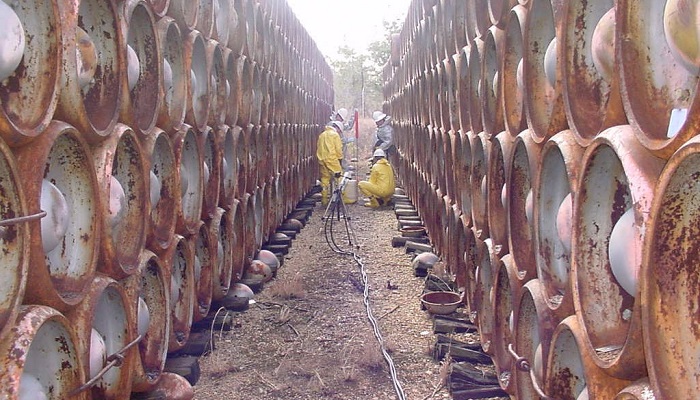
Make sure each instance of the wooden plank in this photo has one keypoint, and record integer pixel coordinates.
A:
(399, 241)
(460, 353)
(197, 344)
(444, 324)
(465, 373)
(479, 393)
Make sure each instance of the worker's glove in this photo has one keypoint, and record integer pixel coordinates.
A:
(338, 174)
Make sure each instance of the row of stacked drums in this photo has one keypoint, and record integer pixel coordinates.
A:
(550, 148)
(145, 158)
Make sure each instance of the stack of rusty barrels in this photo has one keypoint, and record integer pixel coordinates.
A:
(149, 149)
(551, 148)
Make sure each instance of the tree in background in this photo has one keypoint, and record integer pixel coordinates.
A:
(354, 72)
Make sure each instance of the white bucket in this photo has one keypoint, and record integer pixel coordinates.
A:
(350, 192)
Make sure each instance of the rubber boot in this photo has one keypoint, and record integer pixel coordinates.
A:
(372, 203)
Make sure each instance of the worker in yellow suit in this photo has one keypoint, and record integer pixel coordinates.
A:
(380, 187)
(329, 151)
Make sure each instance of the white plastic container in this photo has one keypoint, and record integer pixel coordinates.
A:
(351, 192)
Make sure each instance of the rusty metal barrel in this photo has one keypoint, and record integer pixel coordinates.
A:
(197, 76)
(497, 191)
(488, 266)
(512, 72)
(15, 246)
(163, 184)
(212, 170)
(184, 12)
(638, 390)
(140, 94)
(520, 181)
(58, 175)
(506, 286)
(591, 85)
(31, 68)
(178, 260)
(556, 184)
(204, 246)
(222, 237)
(611, 206)
(490, 85)
(571, 372)
(94, 67)
(544, 107)
(104, 326)
(148, 293)
(41, 356)
(479, 178)
(666, 279)
(188, 159)
(174, 88)
(654, 40)
(122, 175)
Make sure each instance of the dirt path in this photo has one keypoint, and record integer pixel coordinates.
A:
(320, 345)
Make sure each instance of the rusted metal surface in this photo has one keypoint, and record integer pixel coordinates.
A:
(591, 86)
(497, 191)
(174, 87)
(149, 287)
(222, 241)
(654, 79)
(667, 278)
(42, 351)
(558, 172)
(184, 12)
(140, 95)
(506, 286)
(91, 89)
(188, 159)
(29, 91)
(62, 156)
(543, 101)
(164, 188)
(122, 174)
(491, 83)
(499, 10)
(204, 246)
(212, 170)
(487, 268)
(479, 181)
(197, 75)
(106, 311)
(178, 260)
(617, 175)
(520, 181)
(638, 390)
(512, 70)
(571, 370)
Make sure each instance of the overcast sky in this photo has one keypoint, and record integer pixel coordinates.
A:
(356, 23)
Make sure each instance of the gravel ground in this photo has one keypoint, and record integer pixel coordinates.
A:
(320, 345)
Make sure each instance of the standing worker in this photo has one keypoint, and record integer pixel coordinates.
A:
(329, 151)
(380, 187)
(385, 133)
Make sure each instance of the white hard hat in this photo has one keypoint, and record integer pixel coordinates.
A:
(379, 153)
(378, 116)
(343, 113)
(337, 125)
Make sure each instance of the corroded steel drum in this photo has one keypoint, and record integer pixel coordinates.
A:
(238, 258)
(544, 107)
(104, 326)
(462, 151)
(520, 181)
(222, 238)
(570, 369)
(15, 244)
(58, 175)
(234, 71)
(479, 177)
(33, 39)
(487, 267)
(611, 209)
(512, 72)
(149, 301)
(638, 390)
(188, 159)
(163, 184)
(198, 78)
(658, 67)
(590, 79)
(237, 36)
(174, 88)
(506, 286)
(219, 85)
(184, 12)
(533, 326)
(497, 191)
(490, 84)
(668, 292)
(556, 183)
(476, 50)
(179, 262)
(212, 170)
(463, 89)
(225, 20)
(499, 11)
(94, 67)
(205, 18)
(203, 246)
(242, 161)
(121, 171)
(248, 227)
(159, 7)
(229, 166)
(40, 356)
(140, 94)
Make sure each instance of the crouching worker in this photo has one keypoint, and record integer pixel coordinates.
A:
(380, 186)
(329, 152)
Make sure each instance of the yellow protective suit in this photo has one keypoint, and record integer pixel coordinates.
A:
(380, 186)
(329, 151)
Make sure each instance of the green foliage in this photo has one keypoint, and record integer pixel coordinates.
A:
(354, 72)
